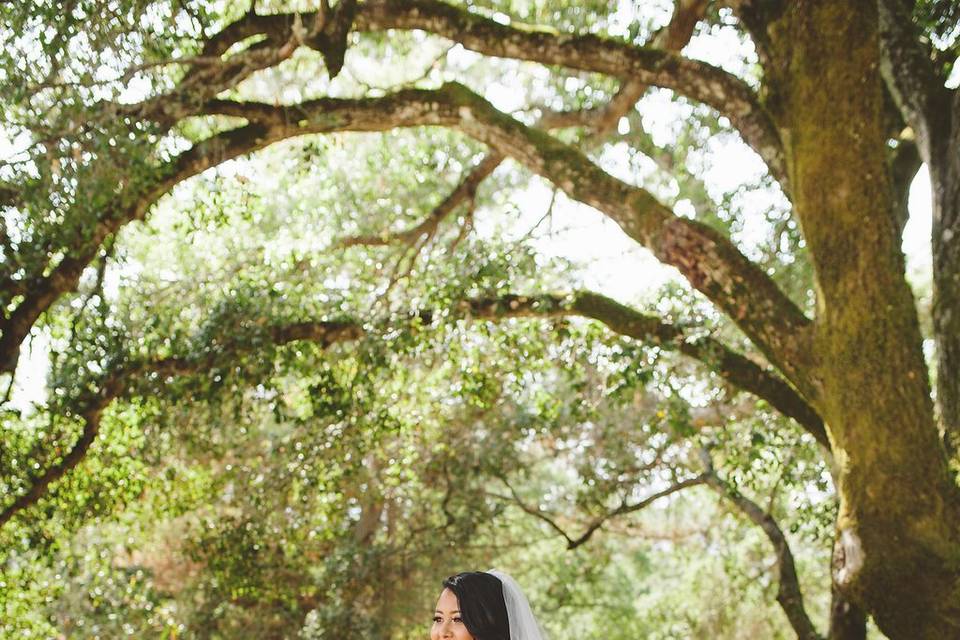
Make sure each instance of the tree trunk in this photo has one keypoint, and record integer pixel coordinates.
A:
(945, 179)
(897, 552)
(847, 620)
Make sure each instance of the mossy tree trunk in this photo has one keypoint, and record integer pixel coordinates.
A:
(897, 548)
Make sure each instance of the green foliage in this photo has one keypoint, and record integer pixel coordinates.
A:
(245, 486)
(939, 20)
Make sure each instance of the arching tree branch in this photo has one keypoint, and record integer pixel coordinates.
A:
(933, 112)
(598, 522)
(735, 368)
(709, 261)
(697, 80)
(789, 595)
(599, 121)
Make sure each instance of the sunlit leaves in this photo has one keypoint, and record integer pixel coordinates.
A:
(243, 484)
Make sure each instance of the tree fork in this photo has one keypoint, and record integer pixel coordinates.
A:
(897, 552)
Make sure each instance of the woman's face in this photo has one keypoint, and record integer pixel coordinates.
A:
(447, 623)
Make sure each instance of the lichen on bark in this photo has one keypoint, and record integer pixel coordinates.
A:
(897, 535)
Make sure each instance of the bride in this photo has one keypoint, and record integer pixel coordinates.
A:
(483, 606)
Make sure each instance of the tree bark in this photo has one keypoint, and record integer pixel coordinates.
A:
(945, 180)
(933, 112)
(847, 620)
(897, 547)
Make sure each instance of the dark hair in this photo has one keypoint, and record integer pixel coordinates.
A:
(480, 596)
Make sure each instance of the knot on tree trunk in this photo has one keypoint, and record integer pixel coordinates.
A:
(847, 558)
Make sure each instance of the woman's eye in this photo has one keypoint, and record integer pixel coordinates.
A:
(437, 619)
(457, 620)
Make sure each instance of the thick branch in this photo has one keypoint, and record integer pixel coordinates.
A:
(789, 595)
(945, 236)
(39, 295)
(599, 121)
(735, 368)
(912, 78)
(933, 112)
(700, 81)
(697, 80)
(709, 261)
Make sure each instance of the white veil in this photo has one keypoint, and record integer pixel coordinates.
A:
(523, 625)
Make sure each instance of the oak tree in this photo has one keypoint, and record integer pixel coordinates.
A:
(110, 107)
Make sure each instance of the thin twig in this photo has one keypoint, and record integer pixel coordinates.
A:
(624, 509)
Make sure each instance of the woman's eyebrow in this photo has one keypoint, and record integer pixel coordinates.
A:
(454, 611)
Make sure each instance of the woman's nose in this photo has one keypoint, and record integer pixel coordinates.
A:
(447, 630)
